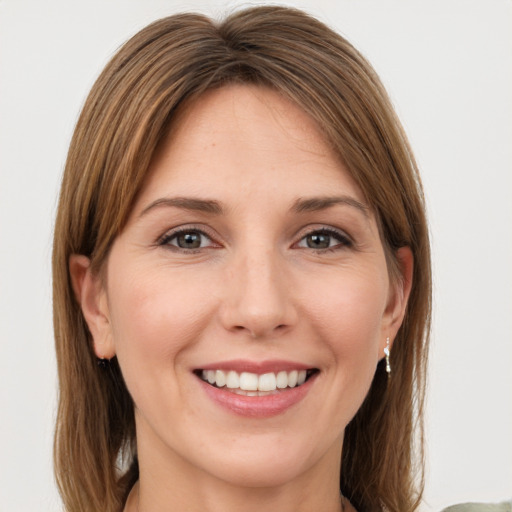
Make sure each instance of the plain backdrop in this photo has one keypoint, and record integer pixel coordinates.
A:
(448, 67)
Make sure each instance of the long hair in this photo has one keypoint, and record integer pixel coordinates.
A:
(128, 112)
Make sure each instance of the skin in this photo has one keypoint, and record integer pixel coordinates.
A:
(254, 289)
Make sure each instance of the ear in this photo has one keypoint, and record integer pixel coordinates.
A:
(400, 289)
(92, 297)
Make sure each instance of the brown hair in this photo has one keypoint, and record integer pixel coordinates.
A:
(126, 115)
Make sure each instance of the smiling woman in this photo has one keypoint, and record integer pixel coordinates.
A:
(241, 243)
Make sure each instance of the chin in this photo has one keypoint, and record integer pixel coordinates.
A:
(263, 471)
(269, 460)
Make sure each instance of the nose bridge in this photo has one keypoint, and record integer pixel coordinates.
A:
(259, 298)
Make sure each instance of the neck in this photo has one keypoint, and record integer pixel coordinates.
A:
(168, 483)
(138, 503)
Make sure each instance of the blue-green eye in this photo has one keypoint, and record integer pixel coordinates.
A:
(187, 239)
(324, 239)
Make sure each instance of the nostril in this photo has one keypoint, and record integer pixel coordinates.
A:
(257, 333)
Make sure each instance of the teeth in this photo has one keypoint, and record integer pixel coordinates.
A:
(220, 378)
(232, 380)
(252, 382)
(267, 382)
(248, 381)
(292, 378)
(282, 380)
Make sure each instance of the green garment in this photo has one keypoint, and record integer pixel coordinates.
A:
(505, 506)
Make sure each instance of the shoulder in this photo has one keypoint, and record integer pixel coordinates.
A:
(505, 506)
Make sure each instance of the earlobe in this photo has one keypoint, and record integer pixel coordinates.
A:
(91, 295)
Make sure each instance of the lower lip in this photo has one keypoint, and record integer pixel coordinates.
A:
(258, 406)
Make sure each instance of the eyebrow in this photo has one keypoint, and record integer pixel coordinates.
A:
(186, 203)
(211, 206)
(315, 204)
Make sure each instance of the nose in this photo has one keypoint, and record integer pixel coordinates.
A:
(259, 296)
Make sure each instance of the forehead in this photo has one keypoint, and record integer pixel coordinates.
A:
(243, 137)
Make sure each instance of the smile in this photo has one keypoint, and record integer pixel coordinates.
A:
(256, 389)
(253, 384)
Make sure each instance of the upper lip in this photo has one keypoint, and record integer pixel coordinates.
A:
(258, 367)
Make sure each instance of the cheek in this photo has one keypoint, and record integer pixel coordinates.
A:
(155, 316)
(351, 310)
(349, 315)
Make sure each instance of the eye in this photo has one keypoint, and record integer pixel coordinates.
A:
(323, 239)
(187, 239)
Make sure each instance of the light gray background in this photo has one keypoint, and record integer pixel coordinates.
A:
(447, 65)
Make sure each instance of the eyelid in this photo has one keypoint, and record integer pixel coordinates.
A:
(345, 239)
(163, 240)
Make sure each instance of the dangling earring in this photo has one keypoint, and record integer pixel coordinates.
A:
(387, 352)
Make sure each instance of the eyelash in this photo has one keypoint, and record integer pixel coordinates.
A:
(165, 239)
(343, 240)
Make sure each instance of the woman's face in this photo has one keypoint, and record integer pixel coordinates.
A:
(251, 260)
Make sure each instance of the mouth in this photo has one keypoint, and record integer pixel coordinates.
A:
(254, 384)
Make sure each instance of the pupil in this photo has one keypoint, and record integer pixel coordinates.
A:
(189, 240)
(318, 241)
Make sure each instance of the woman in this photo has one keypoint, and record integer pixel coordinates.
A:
(241, 277)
